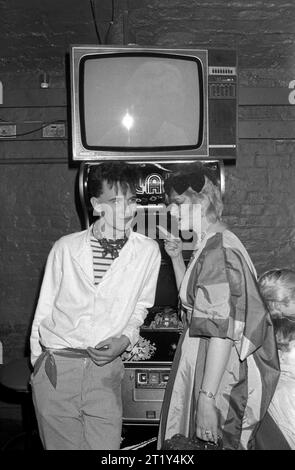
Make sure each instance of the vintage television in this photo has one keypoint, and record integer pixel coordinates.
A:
(141, 103)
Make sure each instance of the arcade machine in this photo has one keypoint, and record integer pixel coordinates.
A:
(156, 108)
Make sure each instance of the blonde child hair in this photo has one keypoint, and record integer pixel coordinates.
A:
(277, 287)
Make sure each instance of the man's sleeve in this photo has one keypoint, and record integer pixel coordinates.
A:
(146, 299)
(49, 288)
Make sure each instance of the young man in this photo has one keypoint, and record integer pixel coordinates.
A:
(97, 287)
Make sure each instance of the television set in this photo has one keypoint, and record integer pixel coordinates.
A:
(152, 104)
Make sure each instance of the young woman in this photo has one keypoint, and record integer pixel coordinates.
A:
(226, 367)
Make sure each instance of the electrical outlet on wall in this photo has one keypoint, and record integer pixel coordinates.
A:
(7, 130)
(54, 131)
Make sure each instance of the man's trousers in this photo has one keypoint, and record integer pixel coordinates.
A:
(84, 411)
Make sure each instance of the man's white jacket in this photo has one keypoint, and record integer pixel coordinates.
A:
(74, 312)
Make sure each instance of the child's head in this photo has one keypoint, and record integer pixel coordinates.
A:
(285, 335)
(277, 288)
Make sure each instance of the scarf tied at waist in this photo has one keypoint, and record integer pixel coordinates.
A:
(50, 365)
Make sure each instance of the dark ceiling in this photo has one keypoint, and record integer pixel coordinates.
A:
(33, 31)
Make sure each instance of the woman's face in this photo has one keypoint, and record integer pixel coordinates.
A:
(188, 209)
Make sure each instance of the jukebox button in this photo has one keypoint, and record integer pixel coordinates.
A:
(154, 378)
(150, 414)
(165, 378)
(142, 378)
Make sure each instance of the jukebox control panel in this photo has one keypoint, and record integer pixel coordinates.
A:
(144, 382)
(143, 391)
(151, 378)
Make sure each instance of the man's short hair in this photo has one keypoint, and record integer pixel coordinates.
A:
(113, 173)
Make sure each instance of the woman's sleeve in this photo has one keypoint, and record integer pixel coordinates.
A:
(227, 302)
(218, 296)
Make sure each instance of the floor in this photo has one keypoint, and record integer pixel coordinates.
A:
(12, 437)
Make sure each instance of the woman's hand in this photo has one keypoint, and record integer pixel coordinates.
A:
(106, 351)
(173, 247)
(207, 419)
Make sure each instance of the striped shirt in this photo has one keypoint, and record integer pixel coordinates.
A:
(100, 264)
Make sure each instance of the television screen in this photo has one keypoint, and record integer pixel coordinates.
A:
(141, 101)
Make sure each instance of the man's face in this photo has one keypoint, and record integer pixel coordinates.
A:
(116, 206)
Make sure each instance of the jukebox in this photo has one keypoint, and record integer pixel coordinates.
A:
(156, 108)
(147, 367)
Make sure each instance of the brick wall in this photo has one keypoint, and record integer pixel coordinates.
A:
(38, 207)
(259, 199)
(37, 185)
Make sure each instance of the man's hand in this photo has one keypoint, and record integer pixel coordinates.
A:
(106, 351)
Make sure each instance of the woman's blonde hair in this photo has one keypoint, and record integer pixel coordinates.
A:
(215, 208)
(277, 286)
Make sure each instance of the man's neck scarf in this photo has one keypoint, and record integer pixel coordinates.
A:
(109, 246)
